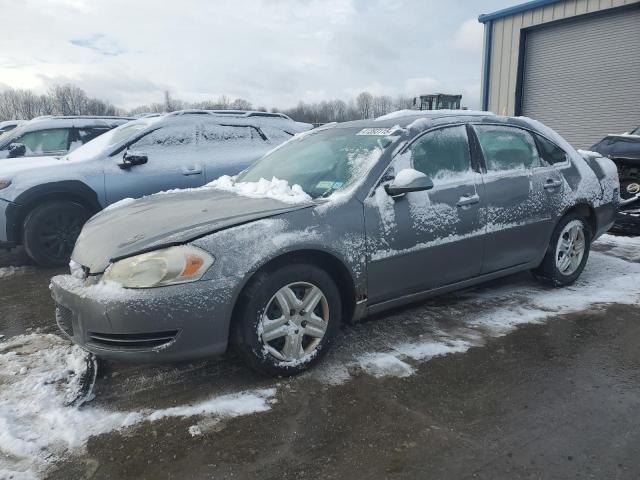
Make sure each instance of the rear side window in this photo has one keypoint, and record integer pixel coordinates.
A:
(443, 153)
(550, 152)
(43, 141)
(213, 133)
(87, 134)
(507, 148)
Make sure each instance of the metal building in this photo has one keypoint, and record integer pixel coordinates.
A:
(572, 64)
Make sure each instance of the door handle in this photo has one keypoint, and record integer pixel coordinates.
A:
(468, 200)
(550, 184)
(191, 170)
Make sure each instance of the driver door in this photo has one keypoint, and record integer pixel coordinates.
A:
(172, 162)
(428, 239)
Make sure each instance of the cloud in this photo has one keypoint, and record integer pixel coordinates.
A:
(285, 51)
(99, 43)
(469, 37)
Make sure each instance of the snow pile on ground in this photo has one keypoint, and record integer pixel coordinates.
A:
(40, 375)
(6, 272)
(624, 247)
(274, 188)
(497, 311)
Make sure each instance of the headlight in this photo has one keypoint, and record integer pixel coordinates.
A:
(163, 267)
(4, 183)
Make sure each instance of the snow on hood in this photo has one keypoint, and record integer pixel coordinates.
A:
(274, 188)
(11, 166)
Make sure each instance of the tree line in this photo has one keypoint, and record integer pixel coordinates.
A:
(69, 99)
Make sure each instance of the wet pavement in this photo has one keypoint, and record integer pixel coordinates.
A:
(556, 396)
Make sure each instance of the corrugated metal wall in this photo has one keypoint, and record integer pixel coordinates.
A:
(582, 78)
(503, 69)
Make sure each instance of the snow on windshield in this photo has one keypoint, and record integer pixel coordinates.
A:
(111, 138)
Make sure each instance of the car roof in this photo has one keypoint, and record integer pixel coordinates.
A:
(79, 121)
(404, 118)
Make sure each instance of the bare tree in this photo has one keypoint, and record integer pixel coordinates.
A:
(364, 104)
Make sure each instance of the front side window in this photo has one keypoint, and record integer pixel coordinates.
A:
(442, 154)
(216, 134)
(323, 161)
(550, 152)
(43, 141)
(175, 136)
(507, 148)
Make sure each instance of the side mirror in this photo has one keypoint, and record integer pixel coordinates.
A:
(17, 150)
(408, 180)
(132, 159)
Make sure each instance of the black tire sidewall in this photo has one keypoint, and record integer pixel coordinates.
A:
(34, 222)
(548, 270)
(255, 299)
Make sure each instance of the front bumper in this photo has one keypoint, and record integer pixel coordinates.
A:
(180, 322)
(628, 220)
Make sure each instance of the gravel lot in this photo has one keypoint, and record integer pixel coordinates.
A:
(509, 380)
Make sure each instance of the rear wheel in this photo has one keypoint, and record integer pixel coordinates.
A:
(567, 253)
(50, 232)
(287, 320)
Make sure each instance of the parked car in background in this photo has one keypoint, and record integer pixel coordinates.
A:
(9, 125)
(44, 202)
(338, 223)
(624, 150)
(54, 135)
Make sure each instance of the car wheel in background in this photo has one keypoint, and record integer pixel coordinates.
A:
(567, 253)
(287, 319)
(50, 232)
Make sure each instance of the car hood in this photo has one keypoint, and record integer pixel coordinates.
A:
(167, 219)
(11, 166)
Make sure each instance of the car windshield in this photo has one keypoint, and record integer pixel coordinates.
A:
(325, 160)
(110, 139)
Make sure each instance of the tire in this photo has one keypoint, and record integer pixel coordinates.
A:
(552, 270)
(50, 232)
(290, 350)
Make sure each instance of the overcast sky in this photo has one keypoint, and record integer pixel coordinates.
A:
(270, 52)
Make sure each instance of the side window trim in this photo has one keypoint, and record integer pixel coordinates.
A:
(536, 137)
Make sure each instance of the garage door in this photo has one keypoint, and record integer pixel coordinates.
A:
(582, 77)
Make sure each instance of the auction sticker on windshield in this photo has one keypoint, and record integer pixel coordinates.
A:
(383, 132)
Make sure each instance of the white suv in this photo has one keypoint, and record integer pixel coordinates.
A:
(54, 135)
(44, 202)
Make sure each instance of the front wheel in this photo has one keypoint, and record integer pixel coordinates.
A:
(287, 320)
(567, 253)
(50, 232)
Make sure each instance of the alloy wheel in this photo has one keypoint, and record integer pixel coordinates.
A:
(294, 322)
(571, 247)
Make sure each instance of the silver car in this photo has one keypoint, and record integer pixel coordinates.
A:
(335, 224)
(45, 201)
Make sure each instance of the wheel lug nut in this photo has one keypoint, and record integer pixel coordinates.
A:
(292, 312)
(302, 312)
(297, 331)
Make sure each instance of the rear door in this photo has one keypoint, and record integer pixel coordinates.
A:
(229, 149)
(173, 161)
(424, 240)
(522, 197)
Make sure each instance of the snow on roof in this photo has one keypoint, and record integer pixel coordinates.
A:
(430, 113)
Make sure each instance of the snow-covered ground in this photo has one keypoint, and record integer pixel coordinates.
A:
(6, 272)
(40, 375)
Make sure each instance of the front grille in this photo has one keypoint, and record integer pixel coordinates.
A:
(132, 341)
(64, 319)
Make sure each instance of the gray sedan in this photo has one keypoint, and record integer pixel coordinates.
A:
(337, 223)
